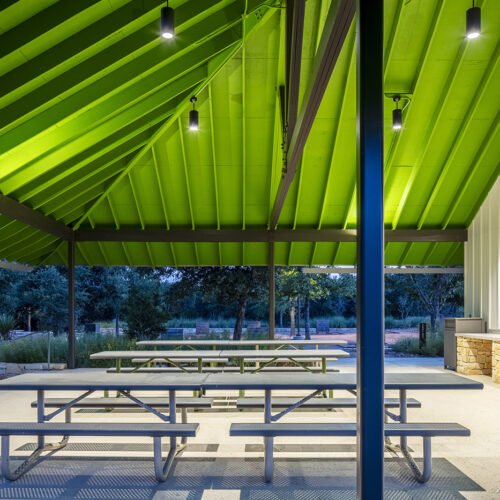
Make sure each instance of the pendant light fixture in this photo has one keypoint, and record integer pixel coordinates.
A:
(473, 22)
(167, 22)
(397, 114)
(193, 116)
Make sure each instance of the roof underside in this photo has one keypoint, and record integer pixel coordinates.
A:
(93, 128)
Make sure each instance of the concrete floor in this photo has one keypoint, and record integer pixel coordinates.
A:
(216, 466)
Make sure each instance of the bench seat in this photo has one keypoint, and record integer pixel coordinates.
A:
(156, 402)
(285, 402)
(213, 369)
(225, 360)
(180, 360)
(97, 429)
(424, 430)
(155, 430)
(345, 429)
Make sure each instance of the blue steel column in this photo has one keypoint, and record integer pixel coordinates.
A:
(370, 250)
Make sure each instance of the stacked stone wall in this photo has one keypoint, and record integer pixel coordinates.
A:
(474, 356)
(495, 362)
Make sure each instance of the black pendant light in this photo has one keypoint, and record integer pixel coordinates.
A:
(193, 116)
(167, 22)
(473, 22)
(397, 115)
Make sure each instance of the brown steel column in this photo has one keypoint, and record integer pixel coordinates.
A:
(272, 291)
(71, 304)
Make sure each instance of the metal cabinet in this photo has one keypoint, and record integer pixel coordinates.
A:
(452, 326)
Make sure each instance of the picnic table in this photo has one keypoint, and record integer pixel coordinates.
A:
(89, 382)
(271, 355)
(214, 344)
(318, 383)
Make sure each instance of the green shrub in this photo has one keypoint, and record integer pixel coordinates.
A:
(7, 324)
(335, 322)
(34, 349)
(433, 347)
(410, 322)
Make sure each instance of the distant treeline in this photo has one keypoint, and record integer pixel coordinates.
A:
(145, 299)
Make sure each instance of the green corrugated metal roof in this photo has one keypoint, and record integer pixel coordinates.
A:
(93, 127)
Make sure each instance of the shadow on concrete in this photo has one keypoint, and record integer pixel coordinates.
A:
(298, 479)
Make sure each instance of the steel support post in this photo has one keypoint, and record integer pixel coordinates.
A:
(40, 414)
(172, 404)
(71, 304)
(402, 414)
(272, 291)
(370, 251)
(268, 440)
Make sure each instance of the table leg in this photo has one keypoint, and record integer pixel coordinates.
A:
(242, 370)
(200, 370)
(40, 409)
(323, 370)
(173, 417)
(118, 370)
(402, 414)
(268, 440)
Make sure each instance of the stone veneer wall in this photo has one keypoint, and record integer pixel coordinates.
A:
(474, 356)
(495, 362)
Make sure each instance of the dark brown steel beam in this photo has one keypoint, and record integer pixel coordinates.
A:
(262, 235)
(337, 25)
(71, 305)
(295, 35)
(272, 290)
(15, 210)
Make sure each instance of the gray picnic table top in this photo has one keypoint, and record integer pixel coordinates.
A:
(243, 353)
(404, 381)
(100, 380)
(257, 343)
(156, 354)
(284, 353)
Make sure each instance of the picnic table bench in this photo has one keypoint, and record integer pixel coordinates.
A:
(270, 356)
(90, 382)
(317, 383)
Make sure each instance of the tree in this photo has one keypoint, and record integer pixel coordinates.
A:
(143, 307)
(293, 283)
(44, 292)
(435, 291)
(102, 291)
(227, 284)
(9, 281)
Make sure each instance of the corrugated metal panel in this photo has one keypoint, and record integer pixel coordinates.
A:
(482, 262)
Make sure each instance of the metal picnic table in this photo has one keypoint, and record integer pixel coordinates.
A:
(319, 383)
(170, 356)
(277, 343)
(91, 381)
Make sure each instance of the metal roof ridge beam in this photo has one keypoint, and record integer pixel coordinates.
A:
(337, 25)
(295, 34)
(15, 210)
